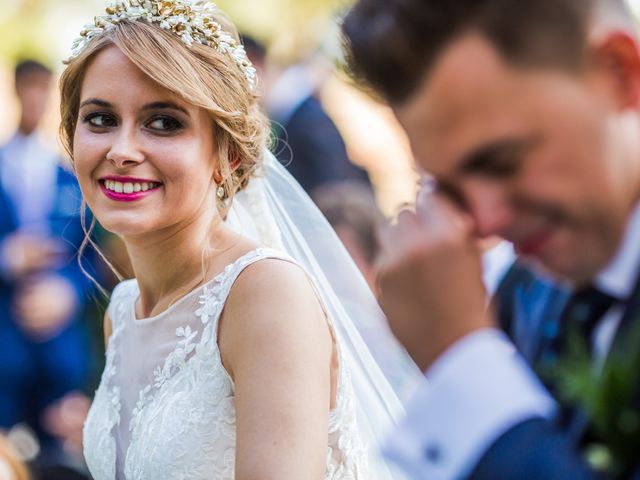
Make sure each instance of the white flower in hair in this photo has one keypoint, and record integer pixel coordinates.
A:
(191, 20)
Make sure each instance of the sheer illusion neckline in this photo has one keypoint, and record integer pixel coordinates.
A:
(217, 277)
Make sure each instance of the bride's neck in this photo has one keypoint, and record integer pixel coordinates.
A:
(169, 264)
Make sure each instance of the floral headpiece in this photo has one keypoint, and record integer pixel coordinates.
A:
(191, 20)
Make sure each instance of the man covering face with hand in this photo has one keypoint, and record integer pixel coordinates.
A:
(527, 115)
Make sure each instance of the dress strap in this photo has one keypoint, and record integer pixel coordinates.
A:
(122, 294)
(215, 294)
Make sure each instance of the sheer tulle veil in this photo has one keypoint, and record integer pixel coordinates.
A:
(275, 211)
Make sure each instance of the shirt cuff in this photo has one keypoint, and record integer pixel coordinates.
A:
(478, 390)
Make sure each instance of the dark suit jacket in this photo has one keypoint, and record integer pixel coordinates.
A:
(540, 448)
(311, 148)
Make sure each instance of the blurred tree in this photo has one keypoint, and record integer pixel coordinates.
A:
(17, 25)
(44, 29)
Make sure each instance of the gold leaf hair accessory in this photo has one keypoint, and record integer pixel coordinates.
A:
(191, 20)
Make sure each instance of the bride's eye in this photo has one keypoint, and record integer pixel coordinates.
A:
(164, 124)
(100, 120)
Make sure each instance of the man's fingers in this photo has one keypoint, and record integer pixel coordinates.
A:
(403, 238)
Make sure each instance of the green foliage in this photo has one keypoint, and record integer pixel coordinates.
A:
(36, 28)
(610, 396)
(20, 34)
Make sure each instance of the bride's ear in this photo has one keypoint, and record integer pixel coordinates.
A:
(234, 162)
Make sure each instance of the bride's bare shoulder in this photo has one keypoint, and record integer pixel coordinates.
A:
(274, 305)
(271, 284)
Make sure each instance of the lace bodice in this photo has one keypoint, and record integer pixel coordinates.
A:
(165, 405)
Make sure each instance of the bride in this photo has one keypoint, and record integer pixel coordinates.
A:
(230, 355)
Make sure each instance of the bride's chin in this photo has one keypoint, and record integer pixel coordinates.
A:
(123, 227)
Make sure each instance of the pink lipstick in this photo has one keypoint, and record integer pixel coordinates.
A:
(127, 189)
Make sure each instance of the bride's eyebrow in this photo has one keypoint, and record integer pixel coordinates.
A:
(97, 102)
(165, 106)
(149, 106)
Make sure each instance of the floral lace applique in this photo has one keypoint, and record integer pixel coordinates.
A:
(177, 360)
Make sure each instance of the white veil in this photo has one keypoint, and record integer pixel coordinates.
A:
(275, 211)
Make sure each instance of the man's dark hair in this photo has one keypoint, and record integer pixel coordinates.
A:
(392, 44)
(27, 67)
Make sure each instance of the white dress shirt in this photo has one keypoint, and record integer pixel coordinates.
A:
(480, 388)
(496, 262)
(290, 90)
(28, 169)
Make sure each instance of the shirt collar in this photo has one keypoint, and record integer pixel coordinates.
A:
(18, 137)
(292, 88)
(20, 140)
(619, 277)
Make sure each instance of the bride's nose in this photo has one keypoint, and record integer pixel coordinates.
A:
(125, 150)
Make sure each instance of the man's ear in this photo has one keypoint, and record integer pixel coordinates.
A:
(616, 58)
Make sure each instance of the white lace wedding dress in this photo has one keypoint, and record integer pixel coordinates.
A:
(165, 405)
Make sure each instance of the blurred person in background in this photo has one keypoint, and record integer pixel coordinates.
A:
(44, 350)
(352, 211)
(11, 466)
(307, 140)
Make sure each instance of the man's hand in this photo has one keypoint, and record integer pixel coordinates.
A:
(431, 279)
(44, 304)
(65, 420)
(26, 254)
